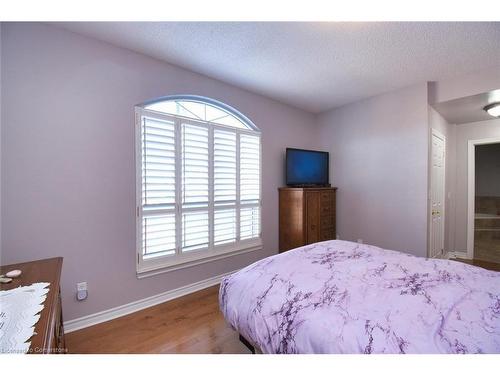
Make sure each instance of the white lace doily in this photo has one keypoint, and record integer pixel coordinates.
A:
(19, 312)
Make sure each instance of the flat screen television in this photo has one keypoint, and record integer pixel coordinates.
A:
(307, 168)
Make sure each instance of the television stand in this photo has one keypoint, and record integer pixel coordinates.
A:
(307, 186)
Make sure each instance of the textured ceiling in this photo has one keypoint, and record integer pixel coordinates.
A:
(468, 109)
(313, 66)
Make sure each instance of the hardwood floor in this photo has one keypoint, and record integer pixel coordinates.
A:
(190, 324)
(481, 263)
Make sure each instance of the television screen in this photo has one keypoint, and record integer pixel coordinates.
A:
(306, 167)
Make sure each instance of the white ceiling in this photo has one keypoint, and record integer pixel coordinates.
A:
(469, 108)
(313, 66)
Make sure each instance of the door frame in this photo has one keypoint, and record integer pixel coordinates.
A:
(429, 208)
(471, 188)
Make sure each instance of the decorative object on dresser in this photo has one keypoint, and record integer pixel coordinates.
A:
(48, 334)
(306, 215)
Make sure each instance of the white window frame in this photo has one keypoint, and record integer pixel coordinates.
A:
(160, 264)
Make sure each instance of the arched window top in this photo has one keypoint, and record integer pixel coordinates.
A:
(201, 109)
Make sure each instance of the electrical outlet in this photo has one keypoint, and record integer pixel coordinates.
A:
(81, 286)
(81, 291)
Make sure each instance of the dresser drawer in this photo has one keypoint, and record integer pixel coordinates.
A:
(327, 228)
(57, 327)
(59, 342)
(327, 235)
(326, 210)
(327, 220)
(326, 197)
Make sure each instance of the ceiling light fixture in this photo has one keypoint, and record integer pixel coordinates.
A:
(493, 109)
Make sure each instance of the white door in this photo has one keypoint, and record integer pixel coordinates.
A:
(437, 195)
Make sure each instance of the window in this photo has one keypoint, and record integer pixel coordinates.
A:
(198, 183)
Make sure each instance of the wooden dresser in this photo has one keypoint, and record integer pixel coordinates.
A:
(49, 337)
(307, 215)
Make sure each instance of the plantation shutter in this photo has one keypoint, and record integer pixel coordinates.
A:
(195, 183)
(225, 169)
(158, 187)
(249, 186)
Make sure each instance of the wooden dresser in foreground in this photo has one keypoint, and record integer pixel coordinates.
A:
(49, 337)
(306, 215)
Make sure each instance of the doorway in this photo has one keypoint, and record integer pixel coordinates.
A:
(483, 241)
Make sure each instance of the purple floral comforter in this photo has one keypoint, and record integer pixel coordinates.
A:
(344, 297)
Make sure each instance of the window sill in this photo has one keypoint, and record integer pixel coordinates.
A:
(148, 270)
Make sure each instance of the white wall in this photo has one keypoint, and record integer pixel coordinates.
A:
(68, 174)
(471, 84)
(438, 122)
(464, 133)
(379, 160)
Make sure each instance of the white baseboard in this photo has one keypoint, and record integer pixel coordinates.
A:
(116, 312)
(457, 254)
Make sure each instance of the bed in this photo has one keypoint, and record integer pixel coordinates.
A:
(345, 297)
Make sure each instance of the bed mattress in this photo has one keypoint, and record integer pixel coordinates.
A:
(345, 297)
